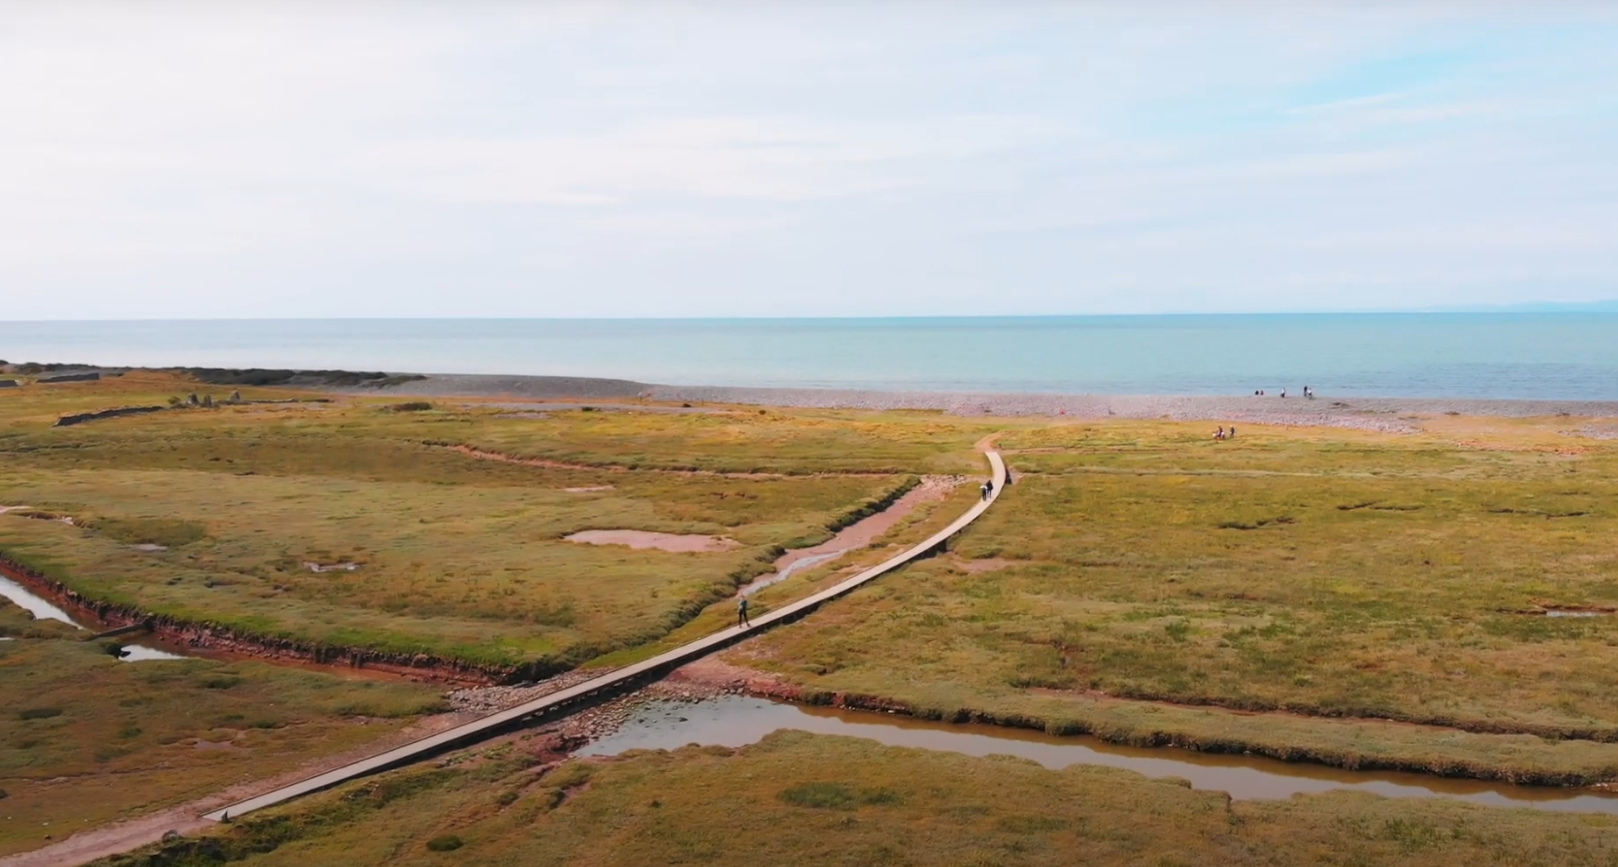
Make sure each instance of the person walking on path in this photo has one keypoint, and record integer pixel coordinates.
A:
(741, 613)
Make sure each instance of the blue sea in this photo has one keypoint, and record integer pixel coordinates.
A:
(1473, 355)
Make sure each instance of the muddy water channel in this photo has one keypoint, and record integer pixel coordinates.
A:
(857, 535)
(42, 609)
(735, 721)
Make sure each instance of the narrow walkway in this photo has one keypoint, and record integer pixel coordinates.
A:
(496, 722)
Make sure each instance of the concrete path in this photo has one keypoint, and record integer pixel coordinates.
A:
(506, 719)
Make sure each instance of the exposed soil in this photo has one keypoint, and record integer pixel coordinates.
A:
(485, 455)
(588, 489)
(642, 539)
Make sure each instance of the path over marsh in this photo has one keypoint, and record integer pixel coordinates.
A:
(659, 664)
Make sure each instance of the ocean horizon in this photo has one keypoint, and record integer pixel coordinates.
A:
(1499, 355)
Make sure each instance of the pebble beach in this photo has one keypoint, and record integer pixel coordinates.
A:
(1364, 413)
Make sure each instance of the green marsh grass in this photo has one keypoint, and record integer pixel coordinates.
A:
(86, 739)
(1324, 574)
(454, 556)
(796, 798)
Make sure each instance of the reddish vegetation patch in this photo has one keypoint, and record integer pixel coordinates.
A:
(642, 539)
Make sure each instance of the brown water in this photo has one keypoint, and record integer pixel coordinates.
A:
(735, 721)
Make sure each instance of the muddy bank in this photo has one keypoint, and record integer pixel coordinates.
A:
(724, 678)
(214, 639)
(486, 455)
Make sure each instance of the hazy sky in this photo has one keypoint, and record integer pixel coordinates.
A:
(795, 158)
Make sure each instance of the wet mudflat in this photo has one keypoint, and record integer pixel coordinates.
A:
(642, 539)
(735, 721)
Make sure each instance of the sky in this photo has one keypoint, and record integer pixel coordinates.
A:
(345, 159)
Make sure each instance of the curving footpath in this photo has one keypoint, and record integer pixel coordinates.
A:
(480, 728)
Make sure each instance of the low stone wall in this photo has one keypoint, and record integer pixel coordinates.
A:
(71, 377)
(81, 418)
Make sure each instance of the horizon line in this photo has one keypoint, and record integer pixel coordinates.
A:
(1558, 308)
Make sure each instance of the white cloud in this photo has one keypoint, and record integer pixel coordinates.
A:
(873, 159)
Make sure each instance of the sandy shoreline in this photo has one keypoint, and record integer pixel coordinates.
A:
(1371, 413)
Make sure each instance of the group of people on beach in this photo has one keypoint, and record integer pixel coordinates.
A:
(1308, 393)
(1222, 434)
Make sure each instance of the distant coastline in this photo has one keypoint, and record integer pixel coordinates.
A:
(1473, 356)
(1384, 414)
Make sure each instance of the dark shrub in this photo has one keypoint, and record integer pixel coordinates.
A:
(820, 796)
(445, 843)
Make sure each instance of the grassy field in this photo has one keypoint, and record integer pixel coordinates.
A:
(1329, 573)
(86, 739)
(1302, 593)
(797, 798)
(453, 556)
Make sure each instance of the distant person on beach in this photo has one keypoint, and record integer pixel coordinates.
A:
(1283, 394)
(1231, 434)
(1220, 434)
(741, 613)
